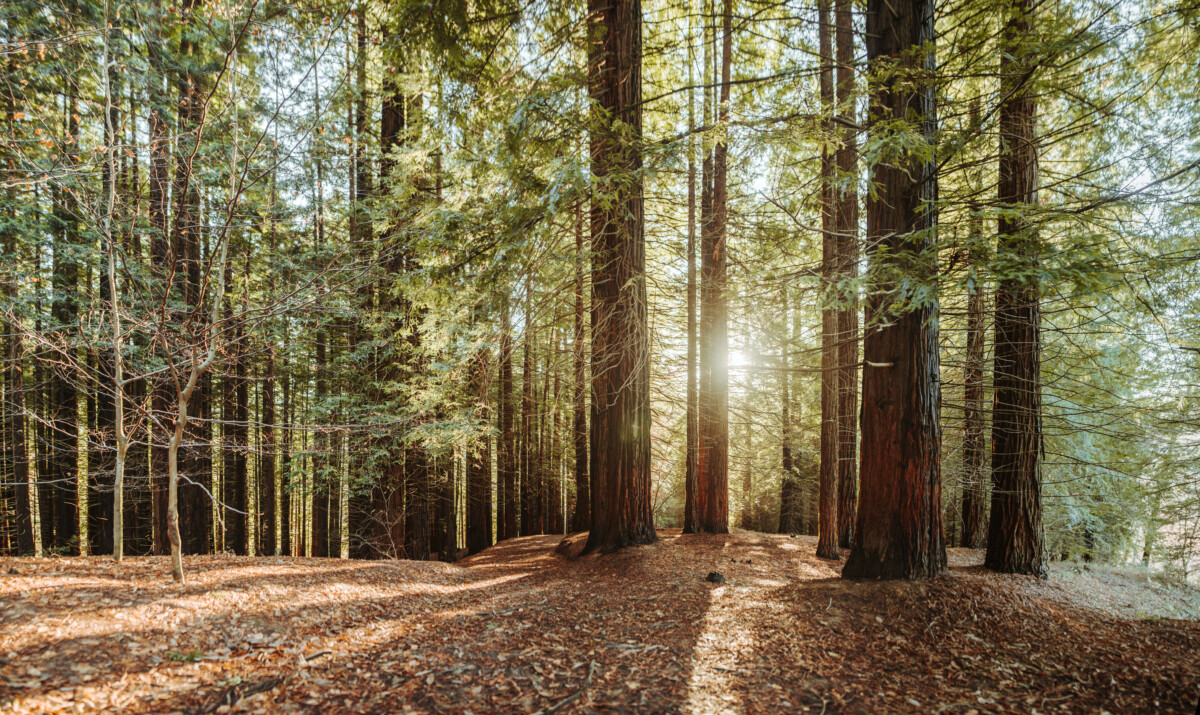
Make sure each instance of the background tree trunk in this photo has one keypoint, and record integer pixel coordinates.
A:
(827, 512)
(1015, 533)
(846, 212)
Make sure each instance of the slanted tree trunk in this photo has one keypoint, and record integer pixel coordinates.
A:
(899, 529)
(846, 212)
(621, 509)
(1015, 533)
(827, 518)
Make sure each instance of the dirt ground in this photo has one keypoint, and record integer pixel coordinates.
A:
(522, 628)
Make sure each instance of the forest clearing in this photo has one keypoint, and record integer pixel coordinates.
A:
(573, 356)
(520, 628)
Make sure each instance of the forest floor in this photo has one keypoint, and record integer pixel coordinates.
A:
(523, 628)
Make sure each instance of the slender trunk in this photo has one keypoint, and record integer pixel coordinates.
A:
(160, 257)
(529, 481)
(64, 310)
(266, 464)
(621, 509)
(696, 500)
(899, 528)
(479, 468)
(285, 463)
(713, 414)
(827, 518)
(846, 210)
(14, 425)
(116, 507)
(691, 517)
(581, 517)
(975, 475)
(1015, 533)
(507, 438)
(359, 505)
(790, 507)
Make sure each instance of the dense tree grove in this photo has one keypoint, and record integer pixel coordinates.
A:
(387, 279)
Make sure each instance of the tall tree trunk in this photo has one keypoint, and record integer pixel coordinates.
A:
(846, 203)
(827, 519)
(285, 464)
(790, 497)
(359, 504)
(621, 509)
(507, 476)
(64, 418)
(14, 406)
(975, 475)
(899, 528)
(581, 517)
(234, 488)
(161, 268)
(713, 422)
(1015, 533)
(696, 495)
(691, 517)
(529, 481)
(479, 467)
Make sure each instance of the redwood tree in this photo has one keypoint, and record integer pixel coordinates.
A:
(713, 423)
(899, 530)
(827, 508)
(1015, 537)
(846, 221)
(621, 510)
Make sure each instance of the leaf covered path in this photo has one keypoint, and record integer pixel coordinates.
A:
(523, 628)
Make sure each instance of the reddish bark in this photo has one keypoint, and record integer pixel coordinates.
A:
(846, 215)
(1015, 533)
(899, 530)
(621, 509)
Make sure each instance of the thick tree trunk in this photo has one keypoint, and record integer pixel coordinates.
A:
(621, 509)
(899, 530)
(1015, 533)
(827, 519)
(846, 212)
